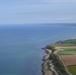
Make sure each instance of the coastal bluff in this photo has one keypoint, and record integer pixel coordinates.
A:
(53, 64)
(48, 66)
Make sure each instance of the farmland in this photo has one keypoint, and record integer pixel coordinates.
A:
(69, 59)
(68, 56)
(67, 51)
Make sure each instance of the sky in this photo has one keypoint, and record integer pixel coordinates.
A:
(37, 11)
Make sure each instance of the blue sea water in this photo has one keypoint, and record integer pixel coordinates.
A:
(20, 46)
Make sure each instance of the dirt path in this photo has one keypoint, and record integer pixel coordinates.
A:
(58, 47)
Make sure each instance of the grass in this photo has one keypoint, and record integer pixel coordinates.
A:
(67, 51)
(70, 42)
(72, 69)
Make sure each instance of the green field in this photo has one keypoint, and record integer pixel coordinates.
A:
(67, 51)
(72, 69)
(70, 42)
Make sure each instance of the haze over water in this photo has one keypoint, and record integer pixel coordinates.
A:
(20, 46)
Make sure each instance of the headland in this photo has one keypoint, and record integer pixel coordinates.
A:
(54, 62)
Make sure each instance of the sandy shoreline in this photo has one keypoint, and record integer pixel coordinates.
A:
(47, 66)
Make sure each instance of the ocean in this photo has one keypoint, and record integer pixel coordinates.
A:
(20, 46)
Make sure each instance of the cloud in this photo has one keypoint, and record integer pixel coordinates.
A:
(59, 1)
(59, 19)
(23, 11)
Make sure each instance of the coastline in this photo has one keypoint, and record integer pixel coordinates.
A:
(53, 63)
(47, 66)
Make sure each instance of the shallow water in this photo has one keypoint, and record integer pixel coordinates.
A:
(20, 46)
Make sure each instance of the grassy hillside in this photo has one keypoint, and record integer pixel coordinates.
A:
(72, 69)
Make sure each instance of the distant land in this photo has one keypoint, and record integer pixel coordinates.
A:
(65, 24)
(60, 58)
